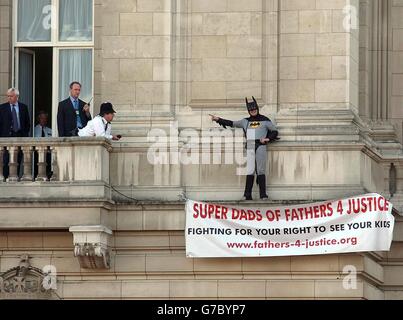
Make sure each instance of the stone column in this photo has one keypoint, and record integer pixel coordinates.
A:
(27, 176)
(392, 110)
(395, 112)
(318, 63)
(55, 166)
(41, 163)
(380, 72)
(378, 11)
(366, 23)
(13, 164)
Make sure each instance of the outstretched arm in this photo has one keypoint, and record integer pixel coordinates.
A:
(222, 122)
(228, 123)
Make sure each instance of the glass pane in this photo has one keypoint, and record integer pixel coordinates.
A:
(75, 65)
(75, 20)
(34, 20)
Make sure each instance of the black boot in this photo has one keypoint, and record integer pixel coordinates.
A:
(248, 187)
(262, 187)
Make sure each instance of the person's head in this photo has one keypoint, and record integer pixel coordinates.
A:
(75, 89)
(253, 107)
(106, 111)
(43, 118)
(254, 112)
(13, 95)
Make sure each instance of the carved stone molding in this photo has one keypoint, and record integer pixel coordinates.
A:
(91, 246)
(24, 282)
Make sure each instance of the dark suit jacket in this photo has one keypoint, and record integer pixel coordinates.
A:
(6, 121)
(67, 119)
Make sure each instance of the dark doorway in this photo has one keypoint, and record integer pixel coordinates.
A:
(35, 67)
(43, 82)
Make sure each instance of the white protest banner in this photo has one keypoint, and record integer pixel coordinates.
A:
(356, 224)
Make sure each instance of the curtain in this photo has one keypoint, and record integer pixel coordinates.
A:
(34, 20)
(75, 20)
(75, 65)
(25, 81)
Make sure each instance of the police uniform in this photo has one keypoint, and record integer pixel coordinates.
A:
(255, 128)
(42, 132)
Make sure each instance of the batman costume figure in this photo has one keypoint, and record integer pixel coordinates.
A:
(259, 131)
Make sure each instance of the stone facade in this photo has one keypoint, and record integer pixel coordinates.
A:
(396, 67)
(335, 93)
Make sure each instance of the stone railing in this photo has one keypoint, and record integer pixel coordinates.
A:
(88, 168)
(63, 167)
(23, 159)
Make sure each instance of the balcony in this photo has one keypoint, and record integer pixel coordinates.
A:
(90, 169)
(80, 169)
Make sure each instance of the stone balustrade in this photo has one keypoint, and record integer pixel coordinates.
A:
(34, 158)
(54, 167)
(90, 169)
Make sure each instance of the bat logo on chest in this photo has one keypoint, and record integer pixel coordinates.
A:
(255, 125)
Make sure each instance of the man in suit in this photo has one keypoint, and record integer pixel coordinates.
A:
(14, 116)
(73, 113)
(14, 122)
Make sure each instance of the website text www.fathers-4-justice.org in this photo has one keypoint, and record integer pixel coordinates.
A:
(299, 243)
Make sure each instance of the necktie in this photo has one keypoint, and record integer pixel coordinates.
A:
(43, 133)
(79, 123)
(16, 126)
(106, 126)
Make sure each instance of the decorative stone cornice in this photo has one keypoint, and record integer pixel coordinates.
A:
(91, 246)
(380, 136)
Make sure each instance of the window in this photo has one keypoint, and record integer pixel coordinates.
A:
(54, 21)
(58, 34)
(75, 20)
(75, 64)
(34, 20)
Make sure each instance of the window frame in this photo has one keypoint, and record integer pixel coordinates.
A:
(54, 34)
(56, 46)
(55, 82)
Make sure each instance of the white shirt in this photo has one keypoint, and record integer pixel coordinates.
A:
(38, 131)
(96, 128)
